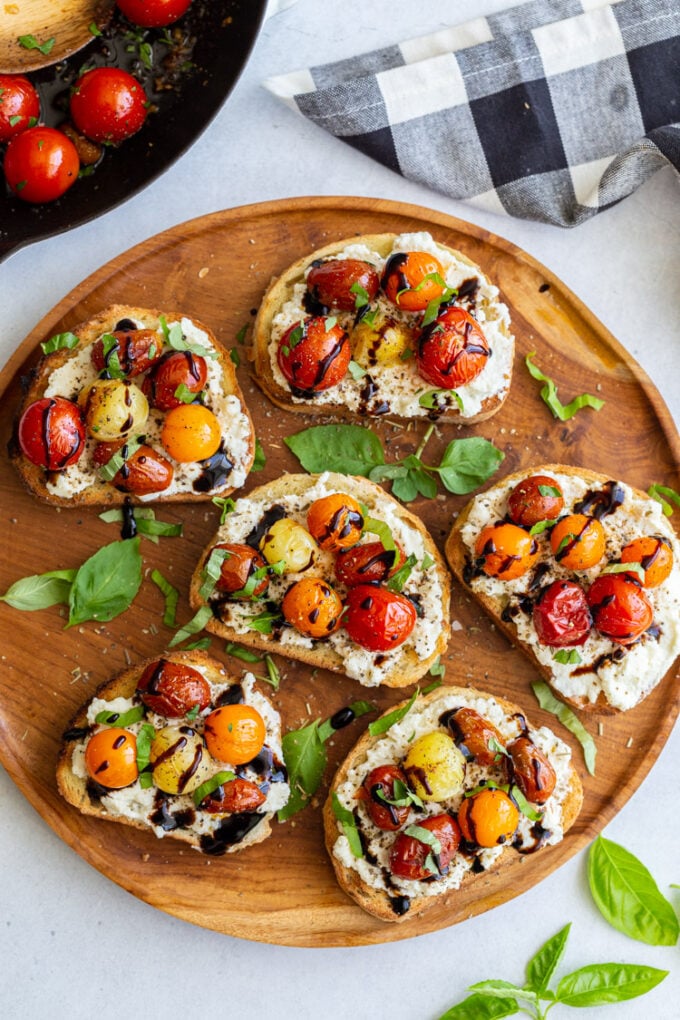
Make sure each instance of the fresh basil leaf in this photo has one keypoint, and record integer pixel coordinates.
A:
(418, 475)
(543, 964)
(361, 295)
(347, 449)
(425, 836)
(550, 490)
(210, 785)
(145, 739)
(405, 488)
(427, 562)
(355, 370)
(184, 394)
(569, 720)
(625, 568)
(211, 572)
(349, 825)
(467, 463)
(133, 715)
(500, 989)
(59, 342)
(385, 722)
(304, 756)
(176, 339)
(226, 506)
(359, 708)
(481, 1007)
(658, 492)
(399, 578)
(430, 399)
(194, 626)
(40, 591)
(628, 897)
(235, 357)
(241, 335)
(437, 668)
(260, 457)
(106, 584)
(112, 366)
(29, 42)
(540, 526)
(432, 687)
(202, 644)
(264, 622)
(94, 29)
(244, 654)
(171, 596)
(109, 470)
(563, 412)
(567, 657)
(329, 322)
(402, 795)
(146, 523)
(523, 804)
(601, 983)
(378, 528)
(248, 589)
(273, 675)
(567, 540)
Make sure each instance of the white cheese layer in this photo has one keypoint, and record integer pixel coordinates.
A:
(639, 667)
(400, 384)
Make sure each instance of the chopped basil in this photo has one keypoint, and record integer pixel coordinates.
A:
(248, 590)
(401, 576)
(273, 675)
(567, 657)
(330, 322)
(94, 29)
(379, 528)
(385, 722)
(567, 540)
(184, 394)
(430, 399)
(427, 562)
(171, 596)
(356, 371)
(112, 366)
(211, 572)
(210, 785)
(16, 119)
(569, 720)
(260, 458)
(625, 568)
(60, 342)
(109, 470)
(561, 411)
(349, 825)
(145, 739)
(438, 668)
(432, 687)
(133, 715)
(429, 839)
(196, 624)
(401, 796)
(264, 622)
(145, 522)
(658, 492)
(193, 712)
(513, 792)
(203, 644)
(549, 490)
(235, 357)
(361, 295)
(226, 506)
(29, 42)
(241, 653)
(175, 338)
(540, 526)
(241, 335)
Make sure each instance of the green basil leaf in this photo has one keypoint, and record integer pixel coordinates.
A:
(658, 492)
(146, 523)
(112, 366)
(349, 825)
(133, 715)
(543, 964)
(628, 897)
(329, 322)
(427, 562)
(106, 584)
(361, 298)
(385, 722)
(424, 836)
(29, 42)
(625, 568)
(378, 528)
(601, 983)
(39, 591)
(523, 804)
(60, 342)
(540, 526)
(432, 687)
(202, 644)
(235, 357)
(430, 399)
(211, 572)
(109, 470)
(210, 785)
(402, 795)
(500, 989)
(567, 657)
(144, 741)
(175, 338)
(356, 371)
(171, 596)
(194, 626)
(563, 412)
(226, 506)
(241, 335)
(467, 463)
(248, 589)
(397, 581)
(238, 652)
(359, 708)
(265, 621)
(304, 756)
(550, 490)
(481, 1007)
(405, 488)
(569, 720)
(184, 394)
(260, 457)
(347, 449)
(437, 668)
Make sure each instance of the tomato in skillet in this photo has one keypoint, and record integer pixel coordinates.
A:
(153, 13)
(41, 164)
(108, 105)
(561, 615)
(380, 783)
(409, 855)
(173, 688)
(621, 609)
(51, 433)
(330, 283)
(314, 355)
(377, 618)
(412, 279)
(19, 105)
(452, 350)
(368, 562)
(175, 370)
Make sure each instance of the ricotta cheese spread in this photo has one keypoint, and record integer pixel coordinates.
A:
(398, 383)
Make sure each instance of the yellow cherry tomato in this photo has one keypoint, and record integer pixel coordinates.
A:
(113, 408)
(381, 342)
(191, 432)
(235, 733)
(578, 541)
(289, 543)
(179, 760)
(434, 766)
(489, 818)
(111, 758)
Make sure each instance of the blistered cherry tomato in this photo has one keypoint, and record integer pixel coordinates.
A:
(435, 766)
(531, 770)
(153, 13)
(368, 562)
(488, 818)
(130, 351)
(191, 432)
(377, 618)
(51, 433)
(41, 164)
(19, 105)
(179, 759)
(654, 555)
(379, 783)
(108, 104)
(173, 688)
(381, 340)
(314, 355)
(505, 551)
(143, 472)
(312, 607)
(561, 615)
(578, 541)
(112, 409)
(621, 609)
(289, 544)
(235, 733)
(409, 279)
(335, 521)
(238, 566)
(536, 498)
(176, 368)
(409, 855)
(330, 283)
(236, 795)
(452, 350)
(111, 757)
(475, 737)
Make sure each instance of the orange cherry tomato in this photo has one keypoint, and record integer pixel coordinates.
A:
(235, 733)
(578, 541)
(312, 607)
(621, 609)
(531, 770)
(368, 562)
(536, 498)
(412, 858)
(489, 818)
(314, 355)
(173, 688)
(234, 795)
(238, 566)
(111, 757)
(452, 350)
(335, 521)
(505, 551)
(654, 555)
(191, 432)
(474, 735)
(377, 618)
(409, 280)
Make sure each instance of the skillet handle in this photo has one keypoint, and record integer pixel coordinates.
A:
(7, 246)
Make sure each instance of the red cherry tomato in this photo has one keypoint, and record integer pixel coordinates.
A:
(153, 13)
(51, 433)
(132, 351)
(366, 563)
(314, 355)
(411, 280)
(452, 350)
(621, 609)
(536, 498)
(173, 688)
(377, 618)
(531, 770)
(380, 781)
(561, 615)
(409, 855)
(144, 472)
(19, 105)
(238, 566)
(235, 795)
(179, 368)
(108, 105)
(41, 164)
(474, 736)
(330, 283)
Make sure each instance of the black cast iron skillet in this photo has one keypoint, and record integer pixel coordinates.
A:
(193, 90)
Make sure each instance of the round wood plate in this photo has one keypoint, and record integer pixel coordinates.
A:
(216, 268)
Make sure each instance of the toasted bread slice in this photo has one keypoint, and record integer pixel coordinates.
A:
(68, 371)
(368, 879)
(604, 676)
(175, 814)
(391, 385)
(427, 584)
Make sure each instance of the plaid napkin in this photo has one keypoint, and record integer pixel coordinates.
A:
(550, 111)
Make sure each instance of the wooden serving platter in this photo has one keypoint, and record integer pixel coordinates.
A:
(216, 268)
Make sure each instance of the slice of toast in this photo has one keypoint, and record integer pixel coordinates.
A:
(427, 584)
(391, 387)
(67, 372)
(604, 676)
(368, 879)
(147, 807)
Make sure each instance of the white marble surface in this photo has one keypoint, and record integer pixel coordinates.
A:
(75, 944)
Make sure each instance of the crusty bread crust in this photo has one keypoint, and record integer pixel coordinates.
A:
(280, 291)
(374, 900)
(74, 789)
(100, 492)
(408, 666)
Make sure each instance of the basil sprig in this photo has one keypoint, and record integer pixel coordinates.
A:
(59, 342)
(349, 825)
(563, 412)
(569, 720)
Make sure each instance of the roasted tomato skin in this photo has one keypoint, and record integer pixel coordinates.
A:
(312, 607)
(474, 735)
(505, 551)
(621, 609)
(368, 563)
(235, 733)
(135, 350)
(654, 555)
(561, 615)
(19, 105)
(191, 433)
(377, 618)
(111, 757)
(408, 854)
(144, 472)
(41, 164)
(488, 818)
(452, 350)
(234, 796)
(536, 498)
(330, 283)
(153, 13)
(237, 567)
(381, 779)
(408, 279)
(530, 769)
(578, 541)
(51, 433)
(314, 355)
(335, 521)
(108, 105)
(172, 689)
(175, 369)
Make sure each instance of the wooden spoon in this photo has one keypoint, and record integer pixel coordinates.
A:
(53, 29)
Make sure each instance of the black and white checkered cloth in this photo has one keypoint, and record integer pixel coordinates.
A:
(552, 111)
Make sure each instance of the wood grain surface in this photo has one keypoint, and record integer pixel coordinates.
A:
(67, 22)
(216, 268)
